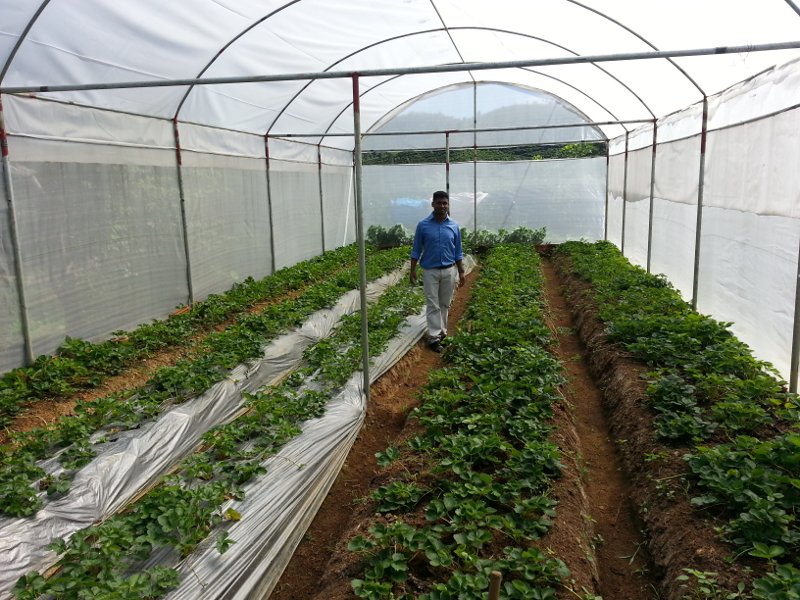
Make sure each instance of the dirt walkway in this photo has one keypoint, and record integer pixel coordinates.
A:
(594, 531)
(621, 560)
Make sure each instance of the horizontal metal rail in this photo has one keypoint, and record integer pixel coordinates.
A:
(448, 68)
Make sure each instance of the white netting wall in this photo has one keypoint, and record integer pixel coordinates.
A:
(227, 215)
(101, 243)
(616, 185)
(675, 212)
(750, 233)
(748, 252)
(297, 217)
(637, 205)
(12, 345)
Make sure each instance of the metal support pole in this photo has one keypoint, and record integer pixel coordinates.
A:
(624, 195)
(701, 182)
(269, 208)
(475, 157)
(605, 214)
(795, 360)
(12, 224)
(447, 162)
(652, 196)
(321, 202)
(184, 224)
(362, 255)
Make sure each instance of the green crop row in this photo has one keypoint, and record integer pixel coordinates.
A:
(78, 364)
(710, 394)
(218, 354)
(472, 493)
(107, 560)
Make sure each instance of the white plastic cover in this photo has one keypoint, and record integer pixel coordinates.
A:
(637, 205)
(150, 41)
(749, 236)
(101, 243)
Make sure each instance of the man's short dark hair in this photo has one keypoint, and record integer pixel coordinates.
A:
(440, 194)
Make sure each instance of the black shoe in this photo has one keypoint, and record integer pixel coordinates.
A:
(436, 346)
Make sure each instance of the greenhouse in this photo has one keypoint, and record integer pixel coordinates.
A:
(169, 167)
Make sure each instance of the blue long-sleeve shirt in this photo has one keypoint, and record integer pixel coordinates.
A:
(436, 244)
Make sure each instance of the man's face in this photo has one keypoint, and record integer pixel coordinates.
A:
(440, 207)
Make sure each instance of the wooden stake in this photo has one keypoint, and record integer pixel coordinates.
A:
(495, 578)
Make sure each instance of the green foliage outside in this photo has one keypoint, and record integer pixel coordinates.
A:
(510, 153)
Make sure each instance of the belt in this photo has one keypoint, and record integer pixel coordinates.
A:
(444, 267)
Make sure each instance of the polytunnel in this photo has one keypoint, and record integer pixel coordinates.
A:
(156, 153)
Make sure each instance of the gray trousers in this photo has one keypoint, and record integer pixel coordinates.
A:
(438, 285)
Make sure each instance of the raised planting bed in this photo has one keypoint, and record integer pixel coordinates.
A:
(708, 435)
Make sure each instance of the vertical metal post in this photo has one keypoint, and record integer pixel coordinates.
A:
(12, 224)
(624, 195)
(475, 156)
(362, 258)
(321, 202)
(701, 182)
(652, 196)
(605, 214)
(795, 360)
(269, 208)
(184, 222)
(447, 162)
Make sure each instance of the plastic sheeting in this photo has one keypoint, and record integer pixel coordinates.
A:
(637, 205)
(297, 218)
(496, 106)
(748, 249)
(746, 261)
(138, 457)
(227, 221)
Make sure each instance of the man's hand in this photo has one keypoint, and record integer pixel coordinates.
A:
(413, 276)
(461, 278)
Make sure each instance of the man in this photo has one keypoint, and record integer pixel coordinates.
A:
(437, 248)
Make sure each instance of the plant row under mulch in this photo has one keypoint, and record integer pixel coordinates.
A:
(470, 492)
(73, 437)
(78, 364)
(709, 434)
(109, 560)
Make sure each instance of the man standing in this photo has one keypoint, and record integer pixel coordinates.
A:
(437, 247)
